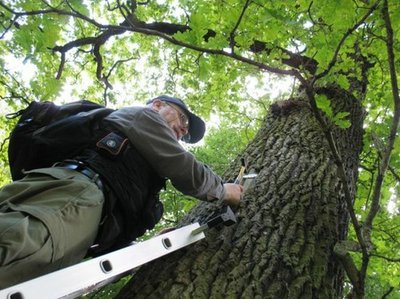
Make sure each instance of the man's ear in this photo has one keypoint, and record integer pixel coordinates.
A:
(157, 104)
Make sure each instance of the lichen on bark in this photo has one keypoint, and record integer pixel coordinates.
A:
(288, 223)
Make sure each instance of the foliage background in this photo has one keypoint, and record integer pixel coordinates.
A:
(223, 77)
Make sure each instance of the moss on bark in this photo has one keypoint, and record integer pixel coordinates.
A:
(288, 223)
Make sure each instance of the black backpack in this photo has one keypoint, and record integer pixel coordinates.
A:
(47, 133)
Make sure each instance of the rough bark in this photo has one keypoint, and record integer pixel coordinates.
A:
(288, 224)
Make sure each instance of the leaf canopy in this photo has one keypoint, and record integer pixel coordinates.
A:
(226, 59)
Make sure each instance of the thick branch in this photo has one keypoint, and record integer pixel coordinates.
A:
(97, 42)
(393, 128)
(342, 250)
(341, 169)
(234, 56)
(163, 29)
(295, 60)
(61, 66)
(337, 157)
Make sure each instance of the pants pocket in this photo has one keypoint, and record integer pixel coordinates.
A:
(25, 248)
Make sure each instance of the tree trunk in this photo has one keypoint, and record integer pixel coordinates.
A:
(288, 223)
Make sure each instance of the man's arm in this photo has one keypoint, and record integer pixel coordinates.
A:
(152, 137)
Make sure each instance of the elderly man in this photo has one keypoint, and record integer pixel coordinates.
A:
(108, 195)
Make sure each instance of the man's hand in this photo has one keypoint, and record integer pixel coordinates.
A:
(233, 194)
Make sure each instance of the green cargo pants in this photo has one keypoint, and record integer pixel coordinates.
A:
(48, 220)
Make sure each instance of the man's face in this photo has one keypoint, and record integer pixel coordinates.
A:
(175, 118)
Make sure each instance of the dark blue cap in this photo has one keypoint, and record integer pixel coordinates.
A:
(197, 127)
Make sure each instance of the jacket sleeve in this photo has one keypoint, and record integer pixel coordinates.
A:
(152, 137)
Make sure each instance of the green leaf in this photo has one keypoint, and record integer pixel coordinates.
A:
(344, 124)
(324, 104)
(216, 84)
(341, 115)
(340, 120)
(343, 81)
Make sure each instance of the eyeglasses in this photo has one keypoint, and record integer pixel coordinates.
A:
(184, 119)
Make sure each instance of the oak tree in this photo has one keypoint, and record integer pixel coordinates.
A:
(320, 219)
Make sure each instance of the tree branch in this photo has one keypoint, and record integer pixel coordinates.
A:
(341, 169)
(391, 289)
(23, 96)
(295, 60)
(393, 260)
(50, 11)
(162, 29)
(309, 87)
(393, 171)
(61, 66)
(105, 77)
(343, 39)
(337, 157)
(133, 25)
(6, 29)
(341, 250)
(232, 34)
(375, 206)
(172, 40)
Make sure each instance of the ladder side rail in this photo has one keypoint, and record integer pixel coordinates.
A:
(65, 283)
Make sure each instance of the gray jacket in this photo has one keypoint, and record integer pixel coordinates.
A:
(152, 137)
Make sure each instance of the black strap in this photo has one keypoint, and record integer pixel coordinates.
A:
(82, 168)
